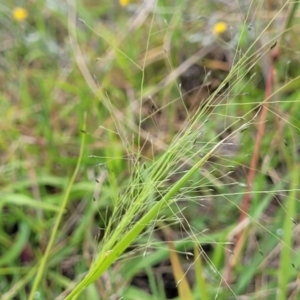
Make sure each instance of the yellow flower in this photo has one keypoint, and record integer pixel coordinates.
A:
(223, 33)
(19, 14)
(220, 28)
(123, 2)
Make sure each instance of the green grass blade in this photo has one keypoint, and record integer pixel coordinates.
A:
(45, 257)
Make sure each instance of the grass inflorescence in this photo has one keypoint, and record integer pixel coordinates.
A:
(149, 151)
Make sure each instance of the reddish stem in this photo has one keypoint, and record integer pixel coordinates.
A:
(253, 165)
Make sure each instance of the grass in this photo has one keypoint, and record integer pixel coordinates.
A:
(115, 183)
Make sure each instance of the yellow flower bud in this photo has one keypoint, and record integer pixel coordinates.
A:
(19, 14)
(222, 32)
(123, 2)
(220, 28)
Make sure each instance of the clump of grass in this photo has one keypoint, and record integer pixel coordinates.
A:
(190, 182)
(149, 183)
